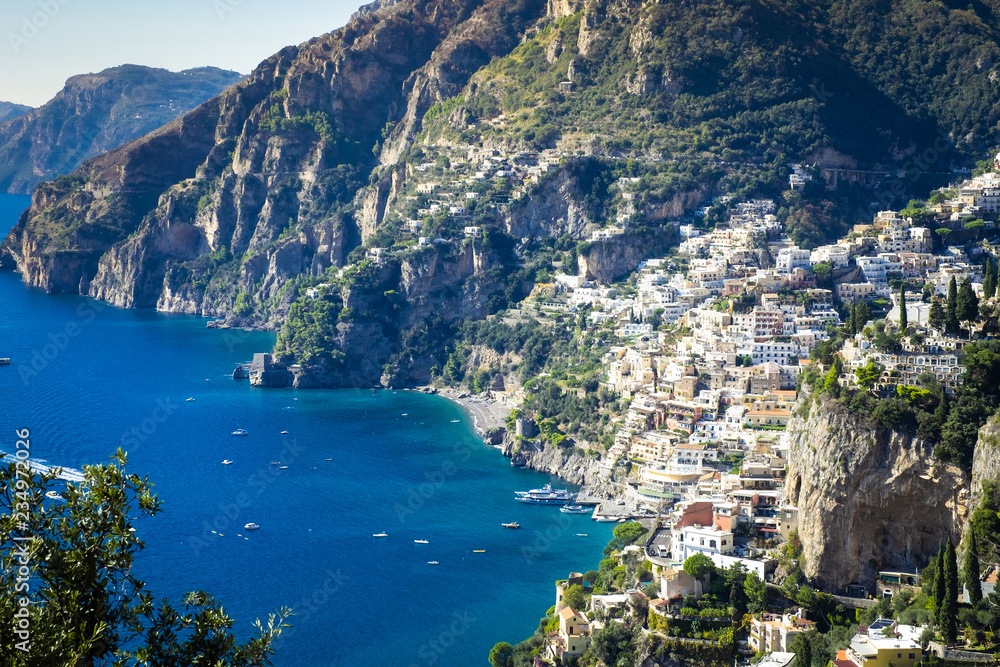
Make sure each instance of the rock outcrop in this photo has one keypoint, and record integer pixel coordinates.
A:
(868, 497)
(95, 113)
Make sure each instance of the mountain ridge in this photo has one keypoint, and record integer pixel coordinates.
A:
(314, 161)
(96, 112)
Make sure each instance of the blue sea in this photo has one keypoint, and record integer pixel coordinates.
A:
(87, 378)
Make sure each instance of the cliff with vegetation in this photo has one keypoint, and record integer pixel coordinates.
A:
(247, 206)
(95, 113)
(868, 497)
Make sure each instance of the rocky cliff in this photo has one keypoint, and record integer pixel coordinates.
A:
(868, 497)
(985, 459)
(95, 113)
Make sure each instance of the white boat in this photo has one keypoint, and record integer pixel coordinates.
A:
(282, 467)
(433, 562)
(581, 534)
(512, 524)
(574, 509)
(241, 431)
(190, 400)
(380, 534)
(251, 526)
(227, 462)
(54, 495)
(421, 542)
(284, 433)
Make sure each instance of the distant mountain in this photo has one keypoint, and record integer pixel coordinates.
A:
(10, 110)
(93, 114)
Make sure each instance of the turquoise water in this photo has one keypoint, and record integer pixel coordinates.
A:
(87, 378)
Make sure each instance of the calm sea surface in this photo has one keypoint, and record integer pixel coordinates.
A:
(87, 378)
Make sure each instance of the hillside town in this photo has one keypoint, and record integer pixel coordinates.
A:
(712, 341)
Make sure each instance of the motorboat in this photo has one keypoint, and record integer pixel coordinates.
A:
(282, 467)
(241, 431)
(383, 534)
(479, 551)
(284, 433)
(54, 495)
(251, 526)
(421, 542)
(190, 400)
(227, 462)
(433, 562)
(574, 509)
(512, 524)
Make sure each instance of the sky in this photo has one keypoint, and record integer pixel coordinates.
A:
(44, 42)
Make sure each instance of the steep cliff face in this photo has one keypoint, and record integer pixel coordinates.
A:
(95, 113)
(985, 459)
(609, 259)
(868, 497)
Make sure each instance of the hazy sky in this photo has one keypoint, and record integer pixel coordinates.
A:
(44, 42)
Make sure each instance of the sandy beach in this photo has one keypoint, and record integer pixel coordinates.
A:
(486, 413)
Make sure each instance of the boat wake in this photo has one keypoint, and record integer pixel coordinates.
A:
(68, 474)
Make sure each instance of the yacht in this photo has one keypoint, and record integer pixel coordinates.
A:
(226, 462)
(512, 524)
(4, 361)
(241, 431)
(190, 400)
(574, 509)
(544, 496)
(383, 534)
(284, 433)
(251, 526)
(433, 562)
(420, 541)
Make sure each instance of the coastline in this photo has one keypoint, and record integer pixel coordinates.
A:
(487, 414)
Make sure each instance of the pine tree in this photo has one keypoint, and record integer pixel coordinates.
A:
(989, 280)
(971, 569)
(903, 322)
(951, 322)
(949, 612)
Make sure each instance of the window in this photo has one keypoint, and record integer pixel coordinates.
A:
(912, 656)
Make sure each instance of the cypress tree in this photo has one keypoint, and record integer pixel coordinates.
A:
(936, 317)
(951, 323)
(971, 569)
(903, 323)
(852, 319)
(949, 613)
(989, 280)
(967, 304)
(939, 585)
(803, 653)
